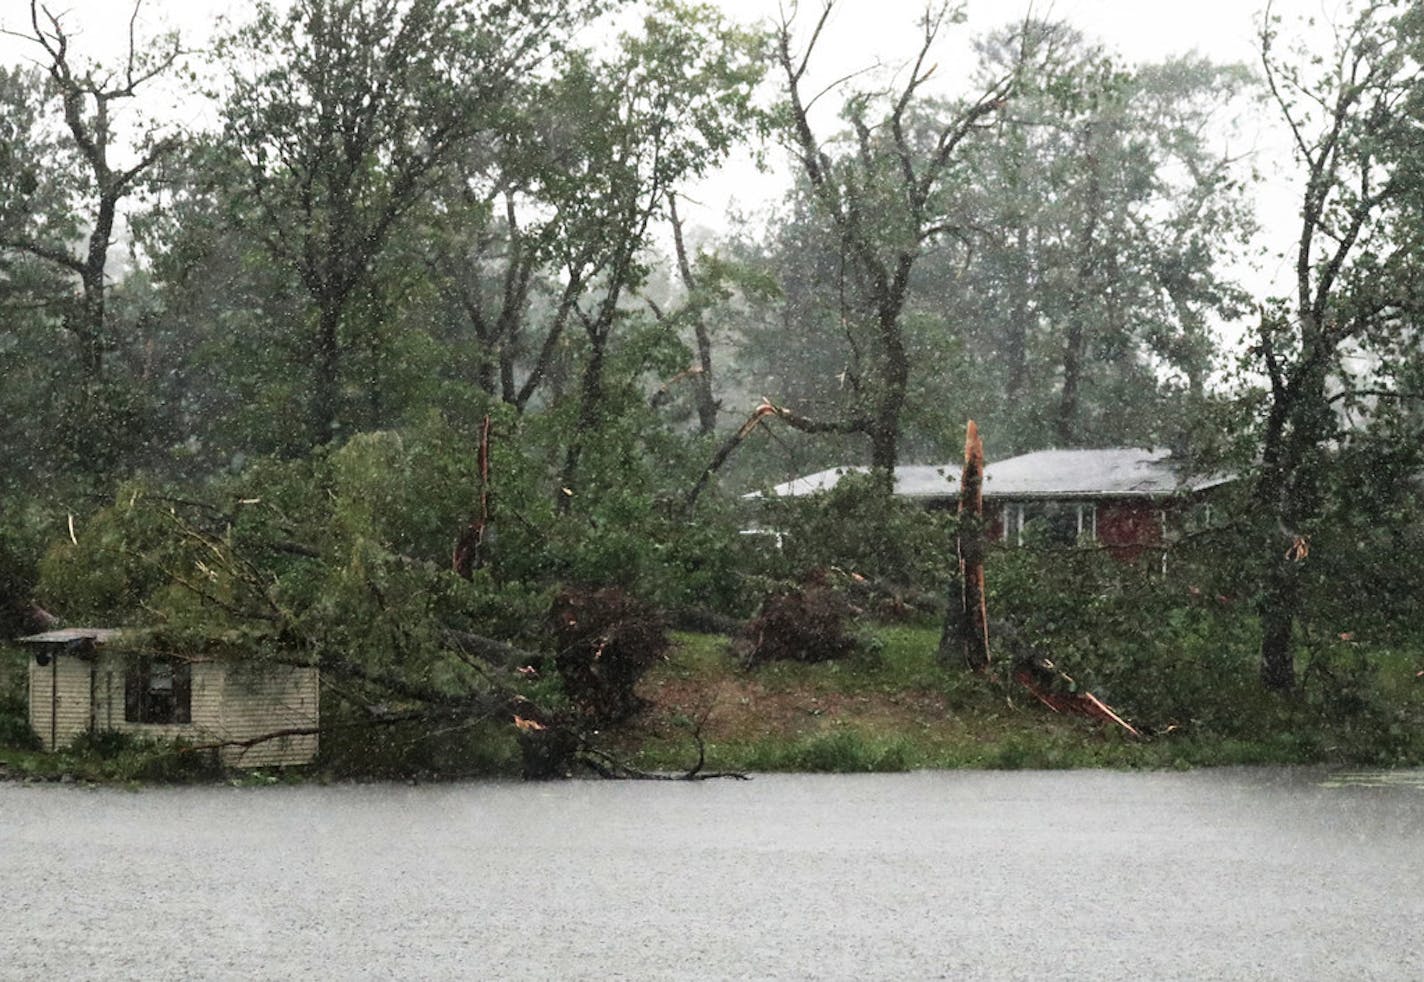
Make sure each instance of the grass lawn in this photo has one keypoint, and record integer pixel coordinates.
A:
(896, 707)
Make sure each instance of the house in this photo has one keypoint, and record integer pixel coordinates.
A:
(1119, 497)
(931, 485)
(100, 679)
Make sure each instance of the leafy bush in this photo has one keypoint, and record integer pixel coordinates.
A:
(856, 528)
(15, 731)
(127, 757)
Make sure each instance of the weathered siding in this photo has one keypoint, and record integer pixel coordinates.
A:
(270, 699)
(63, 687)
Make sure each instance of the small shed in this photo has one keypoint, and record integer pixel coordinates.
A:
(85, 680)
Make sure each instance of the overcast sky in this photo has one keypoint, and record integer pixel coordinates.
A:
(863, 33)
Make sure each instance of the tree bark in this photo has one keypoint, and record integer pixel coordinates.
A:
(1075, 345)
(707, 404)
(326, 381)
(1016, 345)
(1278, 612)
(589, 415)
(975, 620)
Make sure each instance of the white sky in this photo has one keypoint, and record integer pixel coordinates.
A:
(862, 33)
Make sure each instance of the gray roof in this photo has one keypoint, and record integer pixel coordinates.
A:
(1113, 472)
(71, 635)
(911, 481)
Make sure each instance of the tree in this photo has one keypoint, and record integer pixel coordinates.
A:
(67, 170)
(1101, 216)
(71, 185)
(342, 124)
(883, 194)
(553, 236)
(666, 108)
(1352, 117)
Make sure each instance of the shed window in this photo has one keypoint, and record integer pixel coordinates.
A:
(158, 690)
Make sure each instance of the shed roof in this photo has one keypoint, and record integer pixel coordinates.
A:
(1113, 472)
(72, 635)
(911, 481)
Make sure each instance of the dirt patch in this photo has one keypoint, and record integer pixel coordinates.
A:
(742, 707)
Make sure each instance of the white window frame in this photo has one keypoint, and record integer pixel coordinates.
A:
(1014, 518)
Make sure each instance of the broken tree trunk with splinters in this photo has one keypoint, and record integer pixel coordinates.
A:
(967, 621)
(974, 622)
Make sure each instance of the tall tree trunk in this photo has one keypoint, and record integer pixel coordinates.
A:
(326, 383)
(589, 415)
(1289, 492)
(702, 382)
(884, 429)
(93, 341)
(1067, 424)
(1075, 346)
(89, 325)
(1016, 346)
(1280, 606)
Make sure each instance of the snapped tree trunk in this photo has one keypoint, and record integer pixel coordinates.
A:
(974, 622)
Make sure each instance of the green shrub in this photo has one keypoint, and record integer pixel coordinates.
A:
(15, 731)
(855, 527)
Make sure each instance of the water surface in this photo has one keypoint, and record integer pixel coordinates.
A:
(1229, 874)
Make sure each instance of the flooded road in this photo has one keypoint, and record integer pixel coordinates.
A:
(1228, 874)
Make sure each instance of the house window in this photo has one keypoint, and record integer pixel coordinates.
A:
(158, 690)
(1050, 523)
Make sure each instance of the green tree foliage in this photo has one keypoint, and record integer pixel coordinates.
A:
(1354, 116)
(669, 106)
(69, 161)
(416, 214)
(340, 115)
(1082, 241)
(881, 189)
(1104, 216)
